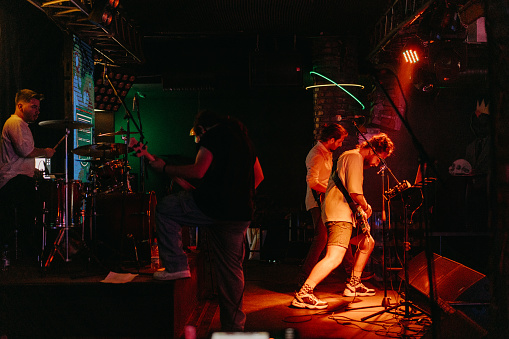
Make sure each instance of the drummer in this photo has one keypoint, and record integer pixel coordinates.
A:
(17, 167)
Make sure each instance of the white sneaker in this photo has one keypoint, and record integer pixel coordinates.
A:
(309, 300)
(357, 289)
(165, 275)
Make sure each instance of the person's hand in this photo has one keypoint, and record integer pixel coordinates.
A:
(368, 211)
(49, 152)
(157, 164)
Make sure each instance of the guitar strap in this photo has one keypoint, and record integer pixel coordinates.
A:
(316, 195)
(348, 198)
(339, 184)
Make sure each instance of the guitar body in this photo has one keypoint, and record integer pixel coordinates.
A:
(360, 219)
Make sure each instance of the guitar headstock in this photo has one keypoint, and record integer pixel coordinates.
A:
(140, 149)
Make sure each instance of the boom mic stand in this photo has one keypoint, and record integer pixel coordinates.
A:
(391, 194)
(129, 117)
(384, 167)
(386, 300)
(423, 160)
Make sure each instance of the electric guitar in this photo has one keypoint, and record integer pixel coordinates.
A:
(141, 151)
(361, 219)
(360, 216)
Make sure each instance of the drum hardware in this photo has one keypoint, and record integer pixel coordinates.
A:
(102, 150)
(119, 132)
(65, 124)
(68, 125)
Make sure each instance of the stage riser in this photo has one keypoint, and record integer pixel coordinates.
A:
(61, 306)
(106, 310)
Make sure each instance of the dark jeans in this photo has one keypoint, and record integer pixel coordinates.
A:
(226, 243)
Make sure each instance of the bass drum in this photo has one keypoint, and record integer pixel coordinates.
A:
(125, 224)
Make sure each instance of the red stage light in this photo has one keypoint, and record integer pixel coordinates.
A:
(411, 56)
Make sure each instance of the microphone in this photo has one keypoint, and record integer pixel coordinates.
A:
(350, 117)
(359, 119)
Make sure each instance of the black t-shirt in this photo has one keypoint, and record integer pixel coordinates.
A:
(226, 191)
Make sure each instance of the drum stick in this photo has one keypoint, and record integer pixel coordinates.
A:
(60, 141)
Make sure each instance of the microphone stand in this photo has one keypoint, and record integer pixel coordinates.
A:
(136, 105)
(401, 186)
(423, 160)
(385, 300)
(128, 117)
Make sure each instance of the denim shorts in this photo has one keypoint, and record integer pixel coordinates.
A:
(339, 233)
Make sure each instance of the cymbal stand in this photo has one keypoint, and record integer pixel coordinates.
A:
(136, 104)
(91, 202)
(64, 231)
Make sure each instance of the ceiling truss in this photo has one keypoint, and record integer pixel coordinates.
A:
(118, 43)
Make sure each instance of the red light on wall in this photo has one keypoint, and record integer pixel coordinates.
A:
(411, 56)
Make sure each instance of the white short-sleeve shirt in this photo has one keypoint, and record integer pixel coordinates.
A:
(16, 143)
(350, 169)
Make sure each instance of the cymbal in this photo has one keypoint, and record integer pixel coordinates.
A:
(100, 150)
(121, 132)
(66, 123)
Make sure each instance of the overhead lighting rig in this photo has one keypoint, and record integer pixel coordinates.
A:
(100, 24)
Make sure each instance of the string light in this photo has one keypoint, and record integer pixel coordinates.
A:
(338, 85)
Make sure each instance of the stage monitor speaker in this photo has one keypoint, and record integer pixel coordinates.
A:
(454, 281)
(461, 292)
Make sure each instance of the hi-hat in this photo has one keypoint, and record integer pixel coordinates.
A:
(65, 124)
(101, 150)
(121, 132)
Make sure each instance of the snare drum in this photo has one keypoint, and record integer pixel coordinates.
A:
(52, 195)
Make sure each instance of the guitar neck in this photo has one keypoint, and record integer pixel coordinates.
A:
(141, 150)
(149, 156)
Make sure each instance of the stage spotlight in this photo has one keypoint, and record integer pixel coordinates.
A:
(411, 56)
(413, 49)
(103, 11)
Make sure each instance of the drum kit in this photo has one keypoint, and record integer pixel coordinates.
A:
(65, 202)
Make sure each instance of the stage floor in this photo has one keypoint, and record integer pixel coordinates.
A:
(70, 301)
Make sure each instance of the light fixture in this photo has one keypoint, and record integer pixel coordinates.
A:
(103, 11)
(105, 97)
(411, 56)
(413, 49)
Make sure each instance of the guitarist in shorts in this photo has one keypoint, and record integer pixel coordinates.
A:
(345, 218)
